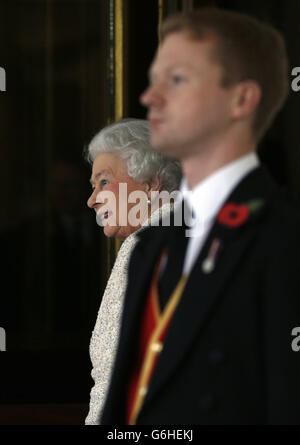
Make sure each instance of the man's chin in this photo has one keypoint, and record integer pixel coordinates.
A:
(163, 147)
(157, 143)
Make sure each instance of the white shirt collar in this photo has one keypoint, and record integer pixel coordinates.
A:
(207, 197)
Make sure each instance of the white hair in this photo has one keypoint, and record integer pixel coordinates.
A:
(129, 139)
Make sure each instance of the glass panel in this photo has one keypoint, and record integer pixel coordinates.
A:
(52, 273)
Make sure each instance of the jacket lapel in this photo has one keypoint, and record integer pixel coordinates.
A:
(143, 261)
(204, 288)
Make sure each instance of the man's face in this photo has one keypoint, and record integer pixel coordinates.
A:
(188, 109)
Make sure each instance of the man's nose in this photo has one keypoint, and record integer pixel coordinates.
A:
(151, 96)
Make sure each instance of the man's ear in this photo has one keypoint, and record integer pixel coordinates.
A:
(246, 99)
(153, 184)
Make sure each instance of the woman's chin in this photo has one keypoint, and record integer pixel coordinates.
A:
(110, 232)
(120, 233)
(115, 232)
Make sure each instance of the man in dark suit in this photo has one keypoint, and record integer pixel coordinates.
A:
(214, 345)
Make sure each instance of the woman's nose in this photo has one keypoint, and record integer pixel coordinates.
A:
(91, 202)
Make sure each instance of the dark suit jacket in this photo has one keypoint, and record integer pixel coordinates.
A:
(227, 357)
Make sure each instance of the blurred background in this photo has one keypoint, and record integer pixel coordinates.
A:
(73, 66)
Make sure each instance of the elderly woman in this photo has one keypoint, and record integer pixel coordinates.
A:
(122, 159)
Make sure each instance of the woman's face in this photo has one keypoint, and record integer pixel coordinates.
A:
(107, 174)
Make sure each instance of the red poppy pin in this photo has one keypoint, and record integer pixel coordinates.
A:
(231, 215)
(234, 215)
